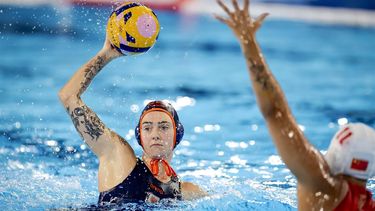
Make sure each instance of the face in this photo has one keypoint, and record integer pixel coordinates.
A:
(157, 134)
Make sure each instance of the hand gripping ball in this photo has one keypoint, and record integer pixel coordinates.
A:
(133, 28)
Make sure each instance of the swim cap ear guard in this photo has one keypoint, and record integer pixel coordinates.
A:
(352, 151)
(168, 108)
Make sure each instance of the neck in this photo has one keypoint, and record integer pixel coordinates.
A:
(148, 159)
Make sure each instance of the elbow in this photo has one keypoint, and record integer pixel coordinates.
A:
(64, 96)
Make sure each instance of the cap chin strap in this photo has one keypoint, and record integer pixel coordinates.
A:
(167, 168)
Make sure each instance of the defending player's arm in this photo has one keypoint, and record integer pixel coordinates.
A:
(191, 191)
(99, 138)
(305, 162)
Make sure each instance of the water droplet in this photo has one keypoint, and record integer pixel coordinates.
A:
(134, 108)
(342, 121)
(291, 134)
(17, 125)
(252, 142)
(254, 127)
(302, 128)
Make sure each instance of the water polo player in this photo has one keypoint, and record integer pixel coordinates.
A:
(334, 182)
(123, 177)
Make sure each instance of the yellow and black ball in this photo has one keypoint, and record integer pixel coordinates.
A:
(133, 28)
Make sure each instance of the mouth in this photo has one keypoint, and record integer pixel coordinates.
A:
(156, 145)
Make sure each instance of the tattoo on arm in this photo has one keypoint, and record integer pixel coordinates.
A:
(90, 72)
(261, 76)
(86, 122)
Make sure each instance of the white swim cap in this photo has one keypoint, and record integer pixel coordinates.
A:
(352, 151)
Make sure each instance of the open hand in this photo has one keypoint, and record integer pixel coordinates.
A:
(243, 26)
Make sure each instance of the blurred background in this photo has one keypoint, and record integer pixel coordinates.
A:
(320, 51)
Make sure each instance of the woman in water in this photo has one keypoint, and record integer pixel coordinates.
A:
(123, 177)
(334, 182)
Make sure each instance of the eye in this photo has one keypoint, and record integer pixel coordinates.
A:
(147, 128)
(164, 127)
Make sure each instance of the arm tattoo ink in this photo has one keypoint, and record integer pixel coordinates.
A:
(90, 72)
(84, 116)
(261, 76)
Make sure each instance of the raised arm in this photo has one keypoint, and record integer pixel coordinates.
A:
(100, 139)
(305, 162)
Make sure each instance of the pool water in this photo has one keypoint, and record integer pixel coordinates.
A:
(326, 71)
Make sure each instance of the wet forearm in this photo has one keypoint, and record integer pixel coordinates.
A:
(294, 149)
(267, 90)
(84, 76)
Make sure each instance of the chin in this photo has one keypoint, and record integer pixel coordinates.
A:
(157, 154)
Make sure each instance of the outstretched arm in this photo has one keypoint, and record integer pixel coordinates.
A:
(305, 162)
(100, 139)
(192, 191)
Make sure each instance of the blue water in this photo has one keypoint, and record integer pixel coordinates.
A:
(326, 71)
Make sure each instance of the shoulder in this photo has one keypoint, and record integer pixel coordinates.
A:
(118, 151)
(188, 186)
(330, 198)
(115, 163)
(191, 191)
(341, 191)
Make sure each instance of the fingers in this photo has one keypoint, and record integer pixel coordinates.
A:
(235, 5)
(261, 18)
(225, 8)
(259, 21)
(223, 20)
(246, 5)
(240, 18)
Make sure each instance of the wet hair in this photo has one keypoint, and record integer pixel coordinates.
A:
(168, 109)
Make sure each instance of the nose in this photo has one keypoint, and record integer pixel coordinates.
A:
(155, 134)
